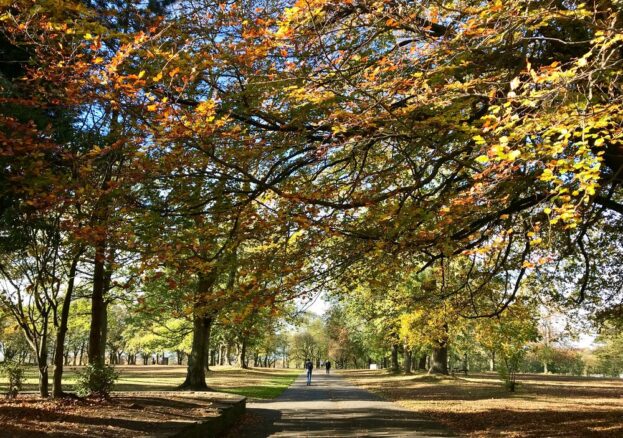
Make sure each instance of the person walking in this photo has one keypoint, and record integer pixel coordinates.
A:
(309, 366)
(327, 366)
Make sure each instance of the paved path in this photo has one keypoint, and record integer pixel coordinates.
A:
(332, 407)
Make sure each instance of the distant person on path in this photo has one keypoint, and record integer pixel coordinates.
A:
(309, 366)
(327, 365)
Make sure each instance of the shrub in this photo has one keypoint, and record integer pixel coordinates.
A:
(15, 375)
(96, 380)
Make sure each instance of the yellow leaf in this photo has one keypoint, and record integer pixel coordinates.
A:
(482, 159)
(141, 74)
(157, 77)
(152, 107)
(513, 155)
(478, 139)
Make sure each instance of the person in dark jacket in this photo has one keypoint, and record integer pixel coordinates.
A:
(327, 366)
(309, 366)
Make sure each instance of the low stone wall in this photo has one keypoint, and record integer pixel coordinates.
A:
(231, 408)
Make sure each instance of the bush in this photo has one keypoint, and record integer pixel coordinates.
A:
(96, 380)
(15, 375)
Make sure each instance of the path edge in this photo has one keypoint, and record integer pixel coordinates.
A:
(230, 414)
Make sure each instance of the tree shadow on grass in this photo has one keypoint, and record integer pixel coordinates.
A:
(133, 416)
(534, 423)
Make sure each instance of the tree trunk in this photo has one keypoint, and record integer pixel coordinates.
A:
(198, 360)
(202, 323)
(242, 359)
(492, 362)
(98, 308)
(394, 364)
(439, 360)
(422, 363)
(545, 369)
(209, 356)
(407, 360)
(42, 364)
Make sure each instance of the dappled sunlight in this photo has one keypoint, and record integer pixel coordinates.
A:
(480, 406)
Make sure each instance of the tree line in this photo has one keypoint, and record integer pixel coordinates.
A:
(213, 162)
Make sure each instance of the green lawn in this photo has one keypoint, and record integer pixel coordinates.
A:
(254, 383)
(265, 388)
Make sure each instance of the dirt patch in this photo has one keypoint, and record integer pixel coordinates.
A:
(478, 406)
(128, 415)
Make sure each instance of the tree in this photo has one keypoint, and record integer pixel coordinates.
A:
(610, 352)
(509, 335)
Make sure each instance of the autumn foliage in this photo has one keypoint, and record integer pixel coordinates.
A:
(247, 154)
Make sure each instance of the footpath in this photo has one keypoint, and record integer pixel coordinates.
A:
(333, 407)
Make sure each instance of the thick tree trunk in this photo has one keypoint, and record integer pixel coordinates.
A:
(422, 363)
(242, 358)
(394, 364)
(98, 308)
(198, 360)
(222, 352)
(439, 360)
(407, 360)
(492, 362)
(202, 323)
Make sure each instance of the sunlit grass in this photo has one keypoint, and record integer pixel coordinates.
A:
(254, 383)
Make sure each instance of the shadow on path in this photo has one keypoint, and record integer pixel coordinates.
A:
(332, 407)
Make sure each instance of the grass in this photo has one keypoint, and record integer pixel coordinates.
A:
(479, 406)
(264, 383)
